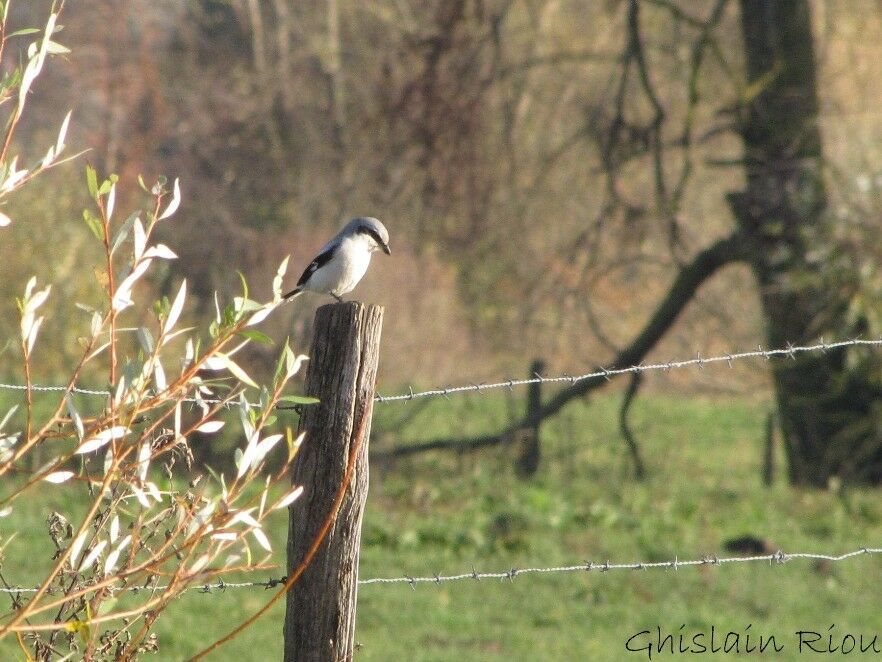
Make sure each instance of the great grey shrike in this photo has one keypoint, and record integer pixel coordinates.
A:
(343, 261)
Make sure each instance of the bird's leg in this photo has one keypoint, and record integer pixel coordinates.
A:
(337, 297)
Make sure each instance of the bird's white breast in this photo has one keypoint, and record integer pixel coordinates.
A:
(343, 272)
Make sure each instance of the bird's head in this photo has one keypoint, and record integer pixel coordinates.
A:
(375, 231)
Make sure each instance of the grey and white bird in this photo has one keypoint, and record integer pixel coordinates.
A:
(343, 261)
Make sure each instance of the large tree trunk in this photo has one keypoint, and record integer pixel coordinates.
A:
(826, 401)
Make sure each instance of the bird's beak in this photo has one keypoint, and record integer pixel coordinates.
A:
(386, 250)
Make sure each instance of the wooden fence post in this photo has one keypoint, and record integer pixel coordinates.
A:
(320, 612)
(528, 461)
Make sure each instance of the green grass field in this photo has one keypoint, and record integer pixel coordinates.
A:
(448, 514)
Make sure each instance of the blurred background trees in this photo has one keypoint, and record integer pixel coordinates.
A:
(546, 168)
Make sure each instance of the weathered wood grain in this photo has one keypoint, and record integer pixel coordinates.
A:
(320, 613)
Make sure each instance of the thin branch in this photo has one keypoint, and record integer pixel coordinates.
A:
(625, 428)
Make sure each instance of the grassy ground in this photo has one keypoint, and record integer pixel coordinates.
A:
(439, 513)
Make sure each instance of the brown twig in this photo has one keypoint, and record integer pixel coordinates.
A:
(307, 559)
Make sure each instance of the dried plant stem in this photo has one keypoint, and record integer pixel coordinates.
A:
(162, 554)
(25, 611)
(50, 421)
(29, 392)
(111, 292)
(307, 559)
(3, 36)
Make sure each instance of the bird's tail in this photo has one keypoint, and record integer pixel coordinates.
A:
(293, 294)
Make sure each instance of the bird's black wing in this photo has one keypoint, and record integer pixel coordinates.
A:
(321, 260)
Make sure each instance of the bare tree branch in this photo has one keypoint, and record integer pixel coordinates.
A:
(689, 279)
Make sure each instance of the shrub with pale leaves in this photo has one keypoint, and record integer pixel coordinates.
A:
(150, 523)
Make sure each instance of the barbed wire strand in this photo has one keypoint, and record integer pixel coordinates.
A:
(777, 558)
(790, 351)
(48, 389)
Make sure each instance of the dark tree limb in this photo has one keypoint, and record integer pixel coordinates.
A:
(690, 277)
(443, 443)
